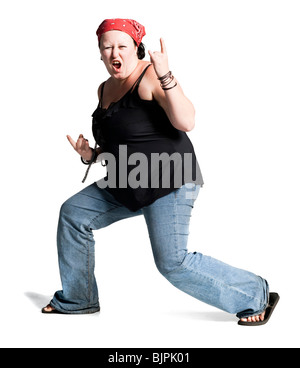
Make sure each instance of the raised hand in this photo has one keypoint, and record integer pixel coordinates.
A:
(159, 59)
(82, 147)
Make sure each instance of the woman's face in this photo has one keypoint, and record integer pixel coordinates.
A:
(119, 54)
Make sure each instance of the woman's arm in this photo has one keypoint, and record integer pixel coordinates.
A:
(177, 106)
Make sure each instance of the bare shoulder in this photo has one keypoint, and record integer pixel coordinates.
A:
(100, 88)
(99, 91)
(149, 83)
(150, 76)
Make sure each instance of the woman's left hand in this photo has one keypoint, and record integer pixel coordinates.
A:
(160, 60)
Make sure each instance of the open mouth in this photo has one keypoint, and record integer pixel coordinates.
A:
(116, 64)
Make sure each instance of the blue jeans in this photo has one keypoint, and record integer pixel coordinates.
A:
(213, 282)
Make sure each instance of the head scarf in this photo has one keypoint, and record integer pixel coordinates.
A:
(129, 26)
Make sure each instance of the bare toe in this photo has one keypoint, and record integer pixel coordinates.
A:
(48, 309)
(254, 319)
(262, 316)
(251, 319)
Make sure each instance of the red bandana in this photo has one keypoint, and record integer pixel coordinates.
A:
(129, 26)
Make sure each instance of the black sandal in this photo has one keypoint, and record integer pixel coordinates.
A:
(273, 301)
(53, 311)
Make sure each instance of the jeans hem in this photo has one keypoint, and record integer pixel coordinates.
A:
(78, 311)
(262, 309)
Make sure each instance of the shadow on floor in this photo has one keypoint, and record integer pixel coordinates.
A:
(205, 316)
(39, 300)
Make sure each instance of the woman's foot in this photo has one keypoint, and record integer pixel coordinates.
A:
(263, 318)
(259, 318)
(49, 309)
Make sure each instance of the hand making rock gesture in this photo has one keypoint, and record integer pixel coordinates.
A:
(159, 59)
(82, 147)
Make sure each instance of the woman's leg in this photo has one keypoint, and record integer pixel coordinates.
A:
(91, 209)
(213, 282)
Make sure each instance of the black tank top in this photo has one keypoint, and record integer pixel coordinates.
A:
(146, 147)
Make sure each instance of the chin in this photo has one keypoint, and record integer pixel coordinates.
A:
(118, 75)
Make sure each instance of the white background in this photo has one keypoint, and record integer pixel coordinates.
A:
(238, 61)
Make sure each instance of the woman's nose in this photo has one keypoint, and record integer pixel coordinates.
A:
(115, 53)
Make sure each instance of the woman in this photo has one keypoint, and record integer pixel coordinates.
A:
(143, 114)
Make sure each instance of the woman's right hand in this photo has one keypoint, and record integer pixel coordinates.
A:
(82, 147)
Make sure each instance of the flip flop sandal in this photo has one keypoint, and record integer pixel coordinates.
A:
(53, 311)
(273, 301)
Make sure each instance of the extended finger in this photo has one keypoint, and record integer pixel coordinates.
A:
(73, 143)
(163, 46)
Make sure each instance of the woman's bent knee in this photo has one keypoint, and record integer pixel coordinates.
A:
(66, 209)
(168, 268)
